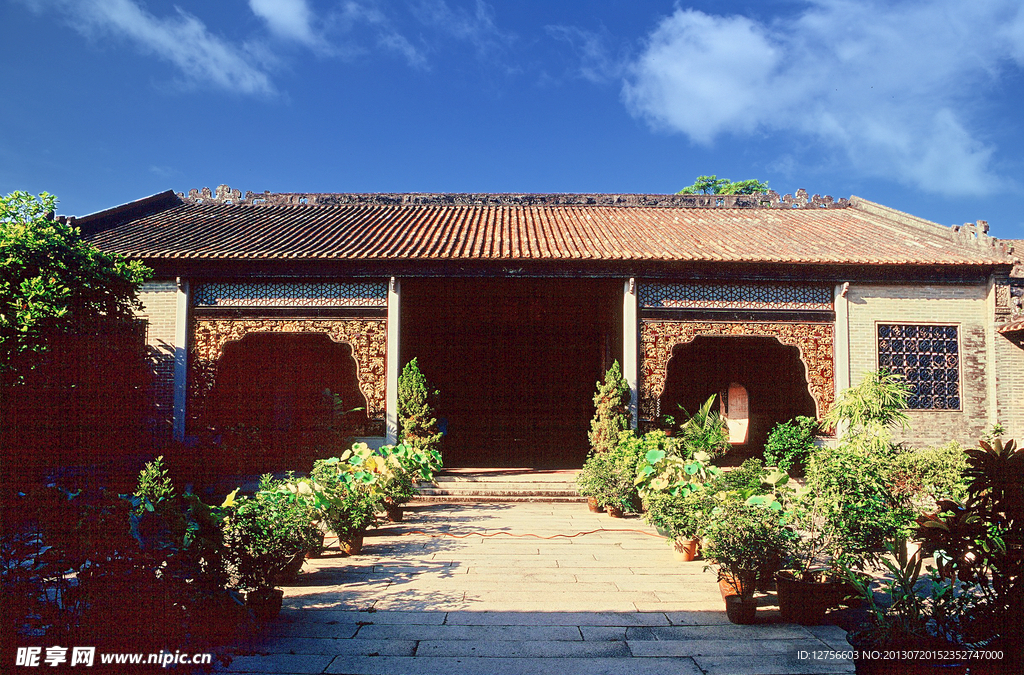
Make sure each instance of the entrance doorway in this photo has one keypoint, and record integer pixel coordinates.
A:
(516, 362)
(772, 374)
(281, 390)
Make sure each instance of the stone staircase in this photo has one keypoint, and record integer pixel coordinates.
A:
(501, 485)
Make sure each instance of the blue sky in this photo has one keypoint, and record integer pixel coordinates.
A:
(916, 105)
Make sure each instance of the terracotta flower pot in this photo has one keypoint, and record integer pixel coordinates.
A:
(805, 602)
(593, 505)
(395, 513)
(685, 550)
(614, 511)
(741, 584)
(740, 610)
(264, 603)
(352, 543)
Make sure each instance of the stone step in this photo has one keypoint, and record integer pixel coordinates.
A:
(498, 485)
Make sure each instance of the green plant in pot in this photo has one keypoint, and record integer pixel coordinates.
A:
(349, 487)
(682, 516)
(705, 431)
(739, 538)
(399, 467)
(263, 535)
(609, 476)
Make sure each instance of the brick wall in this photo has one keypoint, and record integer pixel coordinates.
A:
(159, 298)
(963, 305)
(1010, 385)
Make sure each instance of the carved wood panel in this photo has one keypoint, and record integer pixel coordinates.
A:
(815, 342)
(366, 337)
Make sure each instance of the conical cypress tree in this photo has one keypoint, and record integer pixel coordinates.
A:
(417, 425)
(612, 418)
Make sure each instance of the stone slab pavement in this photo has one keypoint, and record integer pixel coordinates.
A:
(608, 602)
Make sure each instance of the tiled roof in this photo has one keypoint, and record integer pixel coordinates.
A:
(531, 228)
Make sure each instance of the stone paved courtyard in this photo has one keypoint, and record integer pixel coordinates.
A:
(603, 603)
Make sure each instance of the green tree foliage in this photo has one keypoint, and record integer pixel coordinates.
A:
(417, 426)
(612, 417)
(713, 185)
(52, 281)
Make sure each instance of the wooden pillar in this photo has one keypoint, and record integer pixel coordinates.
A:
(393, 363)
(842, 337)
(180, 358)
(630, 345)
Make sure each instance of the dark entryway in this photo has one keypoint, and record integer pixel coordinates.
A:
(516, 362)
(772, 373)
(270, 391)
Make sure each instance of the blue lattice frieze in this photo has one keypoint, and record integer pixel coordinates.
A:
(669, 295)
(292, 294)
(928, 357)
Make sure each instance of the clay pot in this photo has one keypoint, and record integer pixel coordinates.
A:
(741, 584)
(685, 550)
(351, 544)
(264, 603)
(614, 511)
(740, 610)
(805, 602)
(593, 505)
(395, 513)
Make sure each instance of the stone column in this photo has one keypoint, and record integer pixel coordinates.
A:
(991, 383)
(180, 357)
(393, 363)
(630, 345)
(842, 338)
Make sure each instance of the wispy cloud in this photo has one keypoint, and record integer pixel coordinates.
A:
(476, 27)
(288, 19)
(893, 86)
(201, 57)
(595, 61)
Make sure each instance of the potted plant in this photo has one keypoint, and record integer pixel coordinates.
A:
(739, 538)
(263, 535)
(683, 517)
(397, 469)
(609, 476)
(350, 513)
(790, 444)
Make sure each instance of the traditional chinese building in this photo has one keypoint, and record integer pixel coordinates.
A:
(515, 305)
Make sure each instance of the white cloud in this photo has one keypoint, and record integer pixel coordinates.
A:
(477, 27)
(181, 39)
(893, 86)
(290, 19)
(595, 63)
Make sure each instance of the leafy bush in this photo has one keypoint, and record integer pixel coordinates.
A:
(610, 476)
(927, 476)
(611, 417)
(417, 425)
(264, 532)
(745, 538)
(685, 515)
(790, 443)
(848, 489)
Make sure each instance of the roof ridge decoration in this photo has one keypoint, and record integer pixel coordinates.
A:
(771, 199)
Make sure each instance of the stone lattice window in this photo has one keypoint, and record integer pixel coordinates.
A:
(929, 357)
(750, 296)
(292, 294)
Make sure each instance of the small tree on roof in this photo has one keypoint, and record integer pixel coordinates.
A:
(417, 425)
(612, 417)
(713, 185)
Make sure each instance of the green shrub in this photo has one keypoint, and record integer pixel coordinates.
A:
(417, 425)
(790, 443)
(747, 478)
(610, 476)
(745, 538)
(924, 477)
(684, 515)
(704, 431)
(611, 417)
(264, 532)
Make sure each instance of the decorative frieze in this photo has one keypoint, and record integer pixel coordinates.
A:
(815, 342)
(367, 338)
(750, 296)
(292, 294)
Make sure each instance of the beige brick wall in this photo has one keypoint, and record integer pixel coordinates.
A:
(962, 305)
(159, 298)
(1010, 385)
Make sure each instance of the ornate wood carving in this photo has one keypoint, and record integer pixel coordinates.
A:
(366, 337)
(658, 338)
